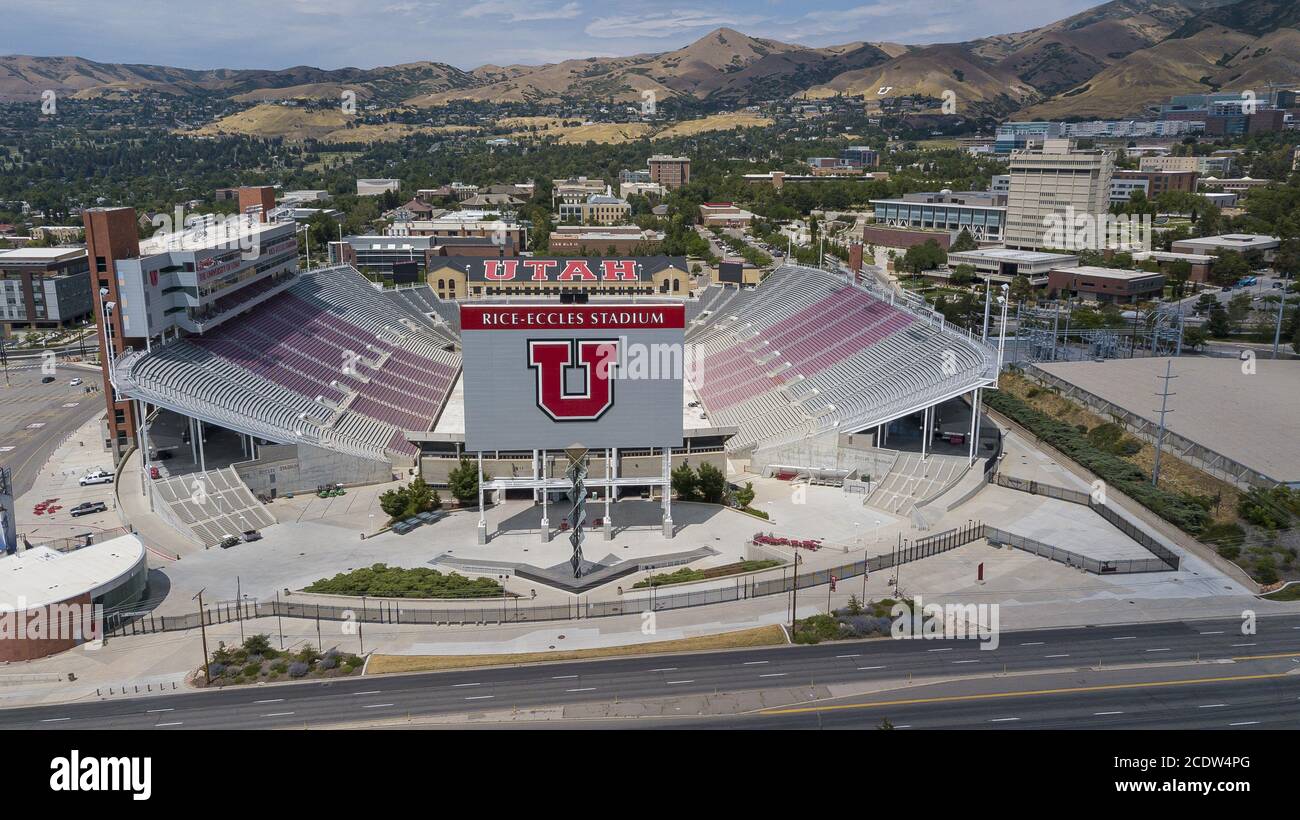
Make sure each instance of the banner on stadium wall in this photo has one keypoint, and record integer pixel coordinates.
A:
(550, 376)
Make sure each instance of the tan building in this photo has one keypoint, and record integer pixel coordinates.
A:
(724, 215)
(670, 172)
(617, 239)
(453, 277)
(1049, 180)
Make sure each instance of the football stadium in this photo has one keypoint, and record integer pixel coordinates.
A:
(259, 380)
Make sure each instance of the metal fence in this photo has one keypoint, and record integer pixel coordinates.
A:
(76, 542)
(1163, 554)
(1073, 559)
(512, 610)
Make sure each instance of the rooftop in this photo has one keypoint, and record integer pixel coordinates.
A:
(41, 576)
(1244, 417)
(1110, 273)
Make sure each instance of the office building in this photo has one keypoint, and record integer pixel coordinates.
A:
(43, 288)
(1052, 181)
(1105, 284)
(1013, 136)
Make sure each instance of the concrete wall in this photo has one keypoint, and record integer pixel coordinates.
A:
(288, 468)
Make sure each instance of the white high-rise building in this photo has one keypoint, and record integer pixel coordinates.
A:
(1053, 178)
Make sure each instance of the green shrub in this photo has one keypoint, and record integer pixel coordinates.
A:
(252, 670)
(381, 580)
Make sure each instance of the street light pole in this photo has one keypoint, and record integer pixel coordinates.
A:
(203, 628)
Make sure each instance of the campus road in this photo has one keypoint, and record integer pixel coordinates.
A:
(35, 418)
(1086, 677)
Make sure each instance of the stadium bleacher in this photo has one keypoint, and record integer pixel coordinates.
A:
(811, 352)
(325, 361)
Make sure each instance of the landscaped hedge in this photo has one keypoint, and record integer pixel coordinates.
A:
(383, 581)
(1185, 512)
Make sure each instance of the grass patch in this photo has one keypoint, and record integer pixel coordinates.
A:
(686, 574)
(1291, 593)
(383, 581)
(759, 636)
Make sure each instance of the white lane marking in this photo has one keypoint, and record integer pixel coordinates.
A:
(965, 661)
(1165, 649)
(671, 682)
(1033, 643)
(55, 720)
(1126, 638)
(273, 700)
(1243, 644)
(1245, 723)
(854, 656)
(1002, 720)
(665, 669)
(773, 675)
(480, 697)
(278, 714)
(371, 692)
(376, 705)
(753, 663)
(151, 711)
(1108, 713)
(904, 726)
(1056, 656)
(866, 668)
(1220, 632)
(174, 723)
(583, 689)
(1211, 706)
(459, 685)
(562, 677)
(944, 649)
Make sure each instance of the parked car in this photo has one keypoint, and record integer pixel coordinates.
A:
(229, 541)
(47, 380)
(88, 508)
(74, 383)
(250, 535)
(96, 477)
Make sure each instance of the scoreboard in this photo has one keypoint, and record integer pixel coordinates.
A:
(549, 376)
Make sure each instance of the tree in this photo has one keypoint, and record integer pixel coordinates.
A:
(1021, 289)
(964, 242)
(407, 500)
(1218, 324)
(745, 495)
(711, 483)
(463, 481)
(684, 482)
(1194, 338)
(1179, 272)
(962, 274)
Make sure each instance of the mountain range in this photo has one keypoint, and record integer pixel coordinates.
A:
(1113, 60)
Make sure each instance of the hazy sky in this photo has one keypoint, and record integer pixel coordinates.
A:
(470, 33)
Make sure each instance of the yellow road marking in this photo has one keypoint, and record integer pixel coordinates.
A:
(1266, 657)
(992, 695)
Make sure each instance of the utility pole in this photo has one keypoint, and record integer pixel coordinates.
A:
(203, 628)
(1164, 408)
(794, 594)
(1277, 331)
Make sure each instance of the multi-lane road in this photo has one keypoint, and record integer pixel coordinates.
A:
(1173, 674)
(35, 417)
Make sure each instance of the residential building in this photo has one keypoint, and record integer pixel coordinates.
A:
(670, 172)
(1053, 180)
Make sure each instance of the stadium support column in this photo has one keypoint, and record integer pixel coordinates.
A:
(925, 432)
(975, 439)
(203, 459)
(194, 440)
(614, 472)
(974, 417)
(143, 440)
(609, 489)
(667, 491)
(482, 513)
(546, 497)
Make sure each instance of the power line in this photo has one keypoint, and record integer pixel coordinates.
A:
(1164, 408)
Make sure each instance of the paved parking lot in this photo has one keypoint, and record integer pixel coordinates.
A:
(58, 481)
